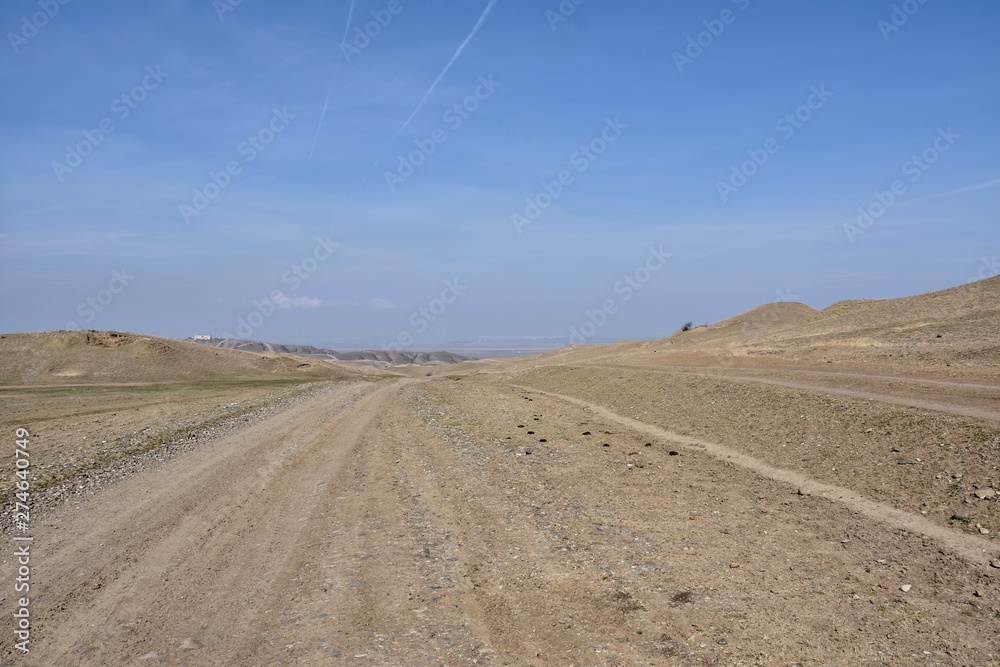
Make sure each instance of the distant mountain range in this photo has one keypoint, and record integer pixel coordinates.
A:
(366, 357)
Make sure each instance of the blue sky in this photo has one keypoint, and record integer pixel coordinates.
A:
(231, 167)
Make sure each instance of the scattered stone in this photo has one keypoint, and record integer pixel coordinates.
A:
(734, 566)
(542, 440)
(531, 433)
(723, 642)
(985, 494)
(190, 644)
(803, 492)
(673, 453)
(605, 445)
(586, 433)
(152, 655)
(978, 593)
(961, 515)
(649, 444)
(896, 449)
(984, 531)
(905, 588)
(995, 563)
(908, 462)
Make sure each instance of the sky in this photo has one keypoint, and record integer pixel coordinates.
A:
(399, 173)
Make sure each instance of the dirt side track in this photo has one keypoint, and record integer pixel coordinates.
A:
(472, 522)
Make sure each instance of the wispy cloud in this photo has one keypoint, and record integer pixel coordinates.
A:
(971, 188)
(383, 304)
(986, 185)
(298, 303)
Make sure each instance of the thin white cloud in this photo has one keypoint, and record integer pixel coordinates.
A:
(960, 191)
(382, 304)
(298, 303)
(971, 188)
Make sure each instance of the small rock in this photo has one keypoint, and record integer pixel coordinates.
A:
(672, 453)
(907, 462)
(896, 449)
(985, 494)
(803, 492)
(905, 588)
(961, 515)
(190, 644)
(995, 563)
(722, 642)
(734, 566)
(984, 531)
(529, 450)
(978, 593)
(152, 655)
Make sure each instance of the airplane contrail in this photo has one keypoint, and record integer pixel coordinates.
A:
(322, 115)
(350, 16)
(475, 29)
(326, 103)
(458, 52)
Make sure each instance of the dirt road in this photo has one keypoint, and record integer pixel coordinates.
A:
(474, 521)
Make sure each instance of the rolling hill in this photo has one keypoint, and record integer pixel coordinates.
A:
(80, 357)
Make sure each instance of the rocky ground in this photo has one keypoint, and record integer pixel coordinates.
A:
(558, 515)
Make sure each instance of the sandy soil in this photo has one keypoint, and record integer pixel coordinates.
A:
(548, 516)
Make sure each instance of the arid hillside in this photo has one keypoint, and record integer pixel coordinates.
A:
(951, 331)
(71, 357)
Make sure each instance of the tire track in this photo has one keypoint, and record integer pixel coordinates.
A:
(972, 548)
(947, 407)
(190, 555)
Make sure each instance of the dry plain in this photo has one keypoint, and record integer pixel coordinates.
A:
(788, 487)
